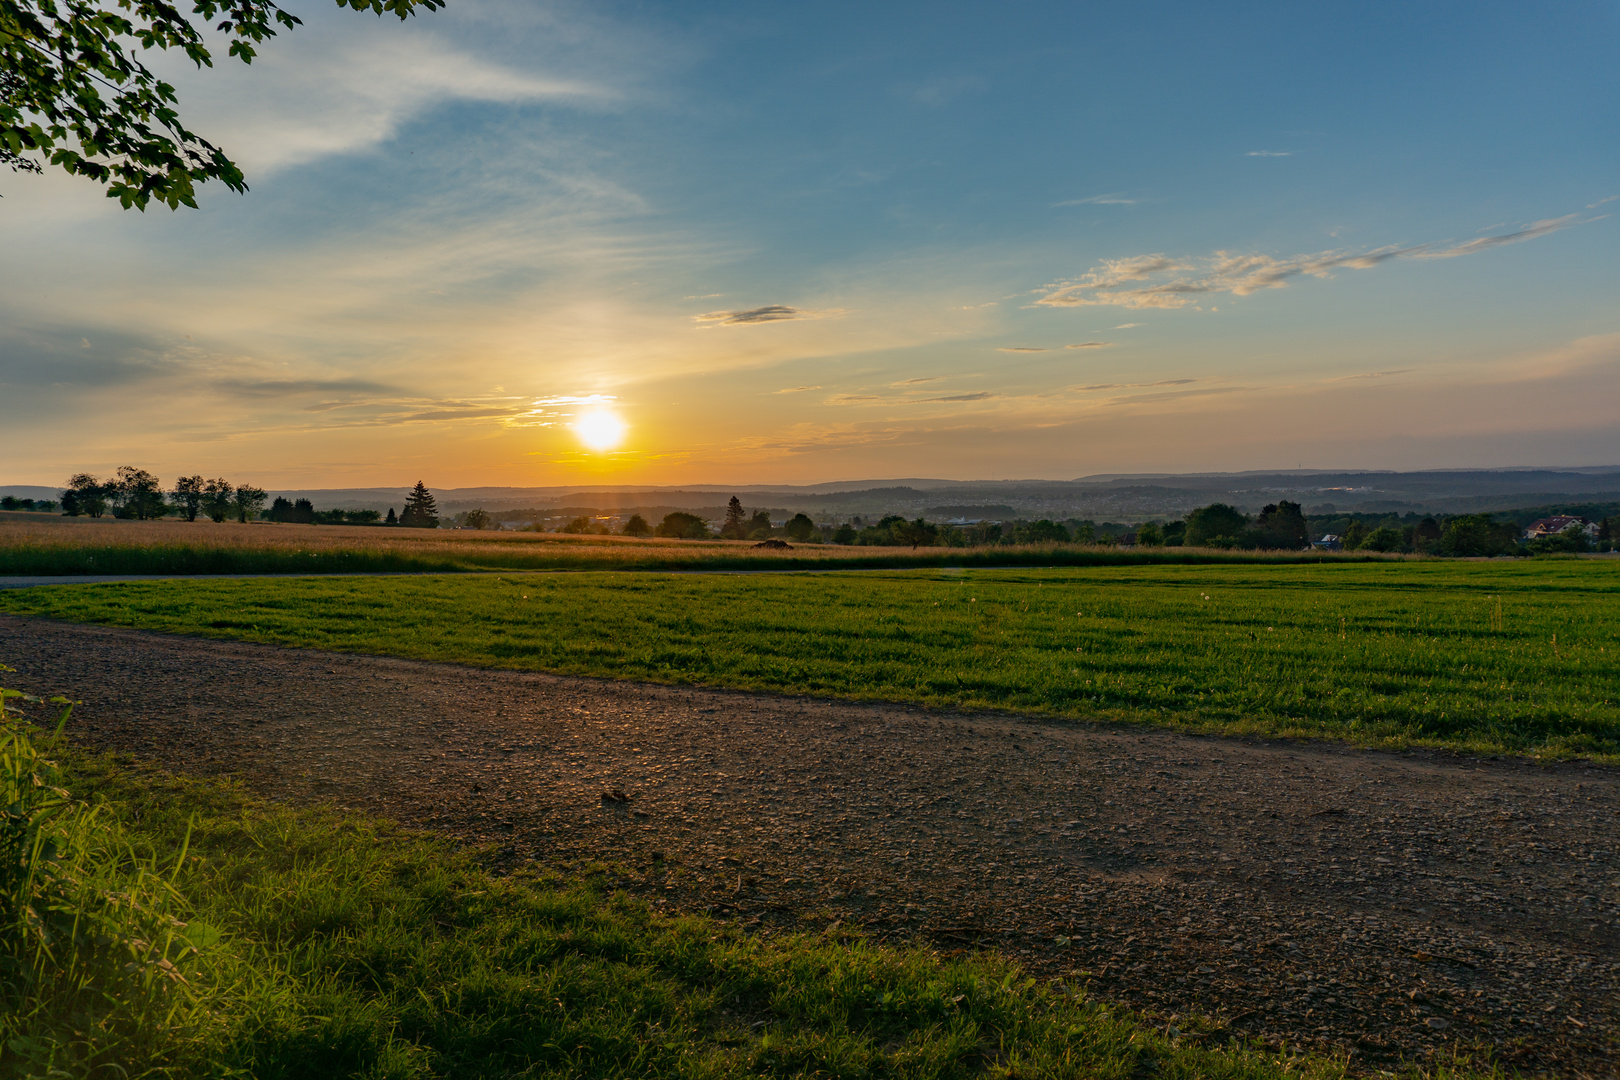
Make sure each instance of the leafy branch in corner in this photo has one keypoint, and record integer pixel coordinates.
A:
(74, 94)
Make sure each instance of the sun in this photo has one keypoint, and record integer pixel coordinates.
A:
(600, 429)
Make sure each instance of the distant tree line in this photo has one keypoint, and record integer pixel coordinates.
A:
(303, 512)
(136, 493)
(38, 506)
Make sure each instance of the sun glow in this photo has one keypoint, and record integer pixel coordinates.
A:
(600, 429)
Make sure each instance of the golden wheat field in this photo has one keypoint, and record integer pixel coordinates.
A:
(38, 544)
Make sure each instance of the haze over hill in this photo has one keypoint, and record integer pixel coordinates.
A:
(1129, 497)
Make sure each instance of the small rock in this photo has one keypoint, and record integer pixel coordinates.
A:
(1437, 1023)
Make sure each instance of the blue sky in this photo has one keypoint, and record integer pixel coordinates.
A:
(800, 243)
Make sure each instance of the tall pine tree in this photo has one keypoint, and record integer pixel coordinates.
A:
(421, 512)
(733, 529)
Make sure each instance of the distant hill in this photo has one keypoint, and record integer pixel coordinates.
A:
(1112, 497)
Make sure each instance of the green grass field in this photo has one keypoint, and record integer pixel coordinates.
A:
(159, 927)
(1519, 657)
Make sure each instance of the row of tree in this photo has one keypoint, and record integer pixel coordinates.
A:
(136, 493)
(38, 506)
(421, 512)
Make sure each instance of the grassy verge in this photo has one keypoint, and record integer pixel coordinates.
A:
(1494, 657)
(191, 931)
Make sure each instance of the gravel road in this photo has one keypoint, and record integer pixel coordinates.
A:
(1379, 905)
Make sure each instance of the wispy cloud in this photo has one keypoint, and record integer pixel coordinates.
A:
(770, 313)
(276, 388)
(1160, 281)
(797, 389)
(1374, 375)
(1112, 199)
(508, 411)
(1089, 345)
(1131, 386)
(851, 399)
(1021, 348)
(342, 91)
(1127, 326)
(1529, 232)
(918, 382)
(1600, 202)
(981, 395)
(1269, 153)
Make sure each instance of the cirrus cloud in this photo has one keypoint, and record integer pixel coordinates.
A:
(769, 313)
(1160, 281)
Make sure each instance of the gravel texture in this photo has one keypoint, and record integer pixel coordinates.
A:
(1379, 905)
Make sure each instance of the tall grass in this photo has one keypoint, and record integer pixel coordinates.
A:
(72, 546)
(98, 970)
(182, 929)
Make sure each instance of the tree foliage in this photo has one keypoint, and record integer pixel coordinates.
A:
(735, 526)
(637, 526)
(188, 496)
(1216, 525)
(218, 497)
(1478, 535)
(137, 493)
(75, 93)
(248, 501)
(1282, 526)
(421, 509)
(800, 528)
(584, 525)
(683, 526)
(85, 495)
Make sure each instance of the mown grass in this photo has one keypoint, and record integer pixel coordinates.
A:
(311, 944)
(1492, 657)
(30, 545)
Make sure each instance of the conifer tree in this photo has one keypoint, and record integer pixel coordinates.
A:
(734, 529)
(421, 512)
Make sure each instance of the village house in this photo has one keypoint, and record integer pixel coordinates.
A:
(1552, 526)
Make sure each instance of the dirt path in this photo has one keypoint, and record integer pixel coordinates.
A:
(1378, 904)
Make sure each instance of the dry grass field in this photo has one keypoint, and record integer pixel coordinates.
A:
(44, 544)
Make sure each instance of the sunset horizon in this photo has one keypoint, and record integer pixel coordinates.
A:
(556, 244)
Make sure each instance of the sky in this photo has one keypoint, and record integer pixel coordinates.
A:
(522, 243)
